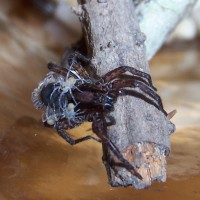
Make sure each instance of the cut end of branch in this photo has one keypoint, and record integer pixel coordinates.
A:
(150, 161)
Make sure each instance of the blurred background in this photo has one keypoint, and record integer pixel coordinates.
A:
(35, 163)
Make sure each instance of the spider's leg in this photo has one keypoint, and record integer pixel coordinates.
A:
(78, 89)
(72, 141)
(73, 68)
(109, 165)
(69, 69)
(62, 70)
(60, 98)
(99, 127)
(144, 88)
(54, 90)
(70, 91)
(78, 67)
(122, 83)
(113, 74)
(81, 57)
(71, 55)
(84, 76)
(111, 120)
(57, 69)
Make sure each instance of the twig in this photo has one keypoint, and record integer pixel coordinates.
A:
(141, 132)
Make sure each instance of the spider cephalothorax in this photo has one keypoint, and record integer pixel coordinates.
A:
(70, 97)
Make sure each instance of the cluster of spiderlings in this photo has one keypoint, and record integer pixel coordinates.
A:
(55, 93)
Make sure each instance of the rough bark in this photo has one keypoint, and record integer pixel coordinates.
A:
(141, 132)
(157, 19)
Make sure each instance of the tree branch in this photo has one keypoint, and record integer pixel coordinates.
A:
(141, 132)
(157, 18)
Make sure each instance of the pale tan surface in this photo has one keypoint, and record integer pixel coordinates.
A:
(35, 163)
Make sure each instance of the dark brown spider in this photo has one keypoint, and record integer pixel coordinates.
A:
(70, 97)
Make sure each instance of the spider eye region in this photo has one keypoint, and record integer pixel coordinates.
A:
(111, 98)
(108, 101)
(108, 106)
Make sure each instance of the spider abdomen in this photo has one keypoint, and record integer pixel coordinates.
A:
(53, 97)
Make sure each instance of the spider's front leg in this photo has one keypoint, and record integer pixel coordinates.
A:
(72, 141)
(99, 127)
(137, 75)
(71, 56)
(59, 69)
(130, 83)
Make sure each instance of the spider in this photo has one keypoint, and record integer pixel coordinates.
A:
(70, 97)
